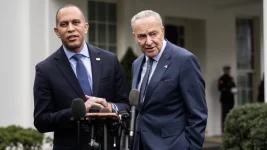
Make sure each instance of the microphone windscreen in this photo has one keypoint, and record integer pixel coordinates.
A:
(105, 110)
(134, 97)
(94, 109)
(78, 108)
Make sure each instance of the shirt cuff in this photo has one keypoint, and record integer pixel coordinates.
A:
(115, 108)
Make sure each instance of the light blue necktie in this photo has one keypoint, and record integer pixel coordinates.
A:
(82, 75)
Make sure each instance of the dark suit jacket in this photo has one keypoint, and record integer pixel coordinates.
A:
(174, 113)
(56, 85)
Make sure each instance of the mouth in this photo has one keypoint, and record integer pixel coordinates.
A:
(149, 49)
(72, 37)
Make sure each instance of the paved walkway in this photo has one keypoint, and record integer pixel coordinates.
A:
(212, 143)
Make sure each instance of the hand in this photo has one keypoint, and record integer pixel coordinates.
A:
(101, 102)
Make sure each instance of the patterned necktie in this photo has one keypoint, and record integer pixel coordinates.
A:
(144, 84)
(82, 75)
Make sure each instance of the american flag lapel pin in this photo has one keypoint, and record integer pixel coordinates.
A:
(166, 66)
(98, 59)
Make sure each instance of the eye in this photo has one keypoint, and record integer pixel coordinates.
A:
(76, 22)
(63, 24)
(141, 36)
(153, 34)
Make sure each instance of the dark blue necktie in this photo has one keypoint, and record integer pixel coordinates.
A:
(82, 75)
(145, 79)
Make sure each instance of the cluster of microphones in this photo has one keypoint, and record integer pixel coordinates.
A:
(123, 122)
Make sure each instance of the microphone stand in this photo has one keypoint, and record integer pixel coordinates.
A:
(105, 137)
(78, 134)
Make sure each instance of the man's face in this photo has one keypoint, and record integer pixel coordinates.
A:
(71, 28)
(149, 35)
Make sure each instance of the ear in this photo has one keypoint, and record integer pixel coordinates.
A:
(56, 31)
(163, 30)
(86, 26)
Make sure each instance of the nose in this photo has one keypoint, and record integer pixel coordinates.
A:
(70, 28)
(149, 40)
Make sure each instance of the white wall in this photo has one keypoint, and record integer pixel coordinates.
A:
(15, 63)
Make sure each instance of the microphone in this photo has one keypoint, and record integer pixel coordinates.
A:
(78, 113)
(94, 109)
(105, 110)
(134, 100)
(78, 109)
(93, 143)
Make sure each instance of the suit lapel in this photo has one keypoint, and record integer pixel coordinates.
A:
(160, 69)
(64, 66)
(96, 63)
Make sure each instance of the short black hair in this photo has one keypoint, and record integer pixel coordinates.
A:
(65, 6)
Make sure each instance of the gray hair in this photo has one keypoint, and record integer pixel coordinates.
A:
(144, 14)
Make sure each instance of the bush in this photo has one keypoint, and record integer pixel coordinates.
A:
(14, 136)
(246, 128)
(126, 64)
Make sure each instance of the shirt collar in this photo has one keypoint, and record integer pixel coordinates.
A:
(157, 57)
(84, 51)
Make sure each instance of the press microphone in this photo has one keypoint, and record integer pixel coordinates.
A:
(105, 110)
(78, 113)
(134, 100)
(93, 143)
(78, 109)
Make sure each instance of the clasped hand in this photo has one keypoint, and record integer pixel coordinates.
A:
(101, 102)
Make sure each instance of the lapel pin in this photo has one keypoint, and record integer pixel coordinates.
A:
(98, 59)
(166, 66)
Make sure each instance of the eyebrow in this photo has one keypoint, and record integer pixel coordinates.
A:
(64, 21)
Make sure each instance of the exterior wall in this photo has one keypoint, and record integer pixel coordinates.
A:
(29, 38)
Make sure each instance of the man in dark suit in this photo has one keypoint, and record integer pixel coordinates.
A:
(227, 87)
(75, 70)
(172, 114)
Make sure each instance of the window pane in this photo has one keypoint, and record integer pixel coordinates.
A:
(101, 33)
(112, 12)
(112, 34)
(112, 49)
(91, 33)
(101, 11)
(91, 7)
(102, 46)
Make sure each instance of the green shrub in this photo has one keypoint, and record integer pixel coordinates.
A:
(126, 64)
(246, 128)
(14, 136)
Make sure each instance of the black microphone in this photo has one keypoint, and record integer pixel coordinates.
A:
(78, 113)
(134, 101)
(94, 109)
(105, 110)
(93, 143)
(78, 109)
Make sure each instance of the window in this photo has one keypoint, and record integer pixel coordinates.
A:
(245, 69)
(175, 34)
(102, 25)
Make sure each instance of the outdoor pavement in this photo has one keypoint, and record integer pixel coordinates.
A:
(212, 143)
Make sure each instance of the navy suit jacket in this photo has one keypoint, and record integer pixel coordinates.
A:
(56, 85)
(174, 113)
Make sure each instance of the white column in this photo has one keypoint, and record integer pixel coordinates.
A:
(15, 71)
(265, 45)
